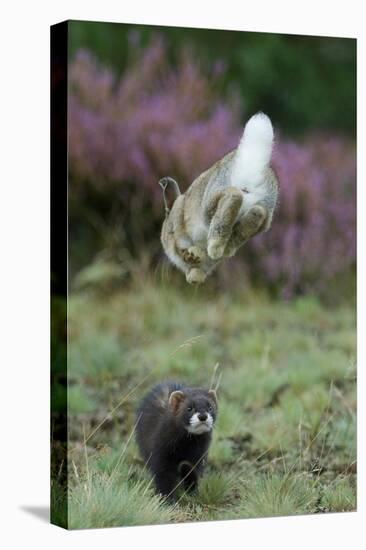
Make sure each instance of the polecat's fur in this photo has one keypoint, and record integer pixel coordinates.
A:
(174, 425)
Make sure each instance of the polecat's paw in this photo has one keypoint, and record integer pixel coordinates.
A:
(185, 468)
(188, 476)
(193, 255)
(195, 276)
(215, 249)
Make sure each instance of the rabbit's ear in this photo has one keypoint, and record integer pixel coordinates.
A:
(169, 198)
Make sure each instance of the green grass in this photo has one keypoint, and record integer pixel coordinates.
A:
(278, 495)
(111, 500)
(285, 439)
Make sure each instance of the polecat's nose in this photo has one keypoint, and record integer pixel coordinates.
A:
(202, 417)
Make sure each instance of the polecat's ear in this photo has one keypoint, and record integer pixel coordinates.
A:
(213, 395)
(175, 399)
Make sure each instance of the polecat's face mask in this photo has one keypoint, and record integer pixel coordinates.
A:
(196, 410)
(199, 415)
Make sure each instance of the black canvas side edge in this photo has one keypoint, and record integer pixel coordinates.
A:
(59, 269)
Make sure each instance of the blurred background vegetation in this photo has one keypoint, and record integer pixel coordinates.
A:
(146, 102)
(304, 82)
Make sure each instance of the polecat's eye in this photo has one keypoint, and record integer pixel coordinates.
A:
(209, 408)
(190, 408)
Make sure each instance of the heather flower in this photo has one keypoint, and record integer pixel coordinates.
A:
(313, 236)
(154, 121)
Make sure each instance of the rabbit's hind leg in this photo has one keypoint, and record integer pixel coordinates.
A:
(252, 223)
(223, 220)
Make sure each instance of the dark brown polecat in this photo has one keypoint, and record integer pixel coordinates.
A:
(173, 432)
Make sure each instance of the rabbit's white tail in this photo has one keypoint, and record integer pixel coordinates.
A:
(254, 152)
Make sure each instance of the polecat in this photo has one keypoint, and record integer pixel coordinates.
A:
(173, 432)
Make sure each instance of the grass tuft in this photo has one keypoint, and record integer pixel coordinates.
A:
(109, 500)
(275, 495)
